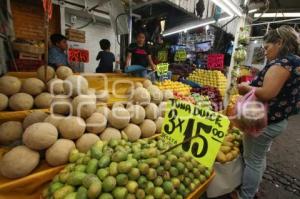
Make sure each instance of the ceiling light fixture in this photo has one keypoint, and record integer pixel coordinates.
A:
(229, 7)
(252, 11)
(278, 15)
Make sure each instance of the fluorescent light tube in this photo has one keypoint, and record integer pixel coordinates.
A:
(223, 7)
(233, 7)
(252, 11)
(280, 15)
(228, 6)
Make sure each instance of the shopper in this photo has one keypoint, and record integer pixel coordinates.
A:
(106, 58)
(57, 56)
(139, 54)
(278, 84)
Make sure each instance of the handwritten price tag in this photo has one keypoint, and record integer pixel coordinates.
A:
(162, 56)
(162, 69)
(207, 129)
(215, 61)
(180, 55)
(78, 55)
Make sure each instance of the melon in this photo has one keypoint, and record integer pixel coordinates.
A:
(138, 85)
(119, 118)
(3, 102)
(43, 100)
(20, 102)
(141, 96)
(83, 106)
(58, 153)
(10, 85)
(168, 94)
(61, 104)
(19, 162)
(33, 86)
(41, 73)
(110, 133)
(162, 109)
(34, 117)
(76, 85)
(10, 132)
(148, 128)
(72, 127)
(54, 119)
(147, 83)
(56, 87)
(63, 72)
(156, 94)
(133, 132)
(137, 114)
(40, 136)
(104, 110)
(152, 111)
(102, 95)
(86, 141)
(96, 123)
(159, 123)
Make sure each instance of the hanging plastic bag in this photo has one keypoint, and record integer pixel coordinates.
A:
(251, 115)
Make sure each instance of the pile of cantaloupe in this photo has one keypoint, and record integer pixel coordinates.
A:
(75, 122)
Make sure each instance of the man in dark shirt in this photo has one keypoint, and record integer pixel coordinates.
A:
(106, 58)
(139, 54)
(57, 56)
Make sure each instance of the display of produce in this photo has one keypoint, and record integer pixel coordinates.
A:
(189, 99)
(202, 101)
(181, 69)
(211, 78)
(230, 148)
(120, 169)
(213, 94)
(177, 87)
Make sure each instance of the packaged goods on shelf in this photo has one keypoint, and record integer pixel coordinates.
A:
(211, 78)
(177, 87)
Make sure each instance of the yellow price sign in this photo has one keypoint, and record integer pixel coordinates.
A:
(180, 55)
(162, 68)
(200, 131)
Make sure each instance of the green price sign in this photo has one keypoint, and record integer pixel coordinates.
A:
(162, 69)
(162, 56)
(180, 55)
(200, 131)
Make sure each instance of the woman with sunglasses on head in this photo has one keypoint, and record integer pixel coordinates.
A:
(278, 84)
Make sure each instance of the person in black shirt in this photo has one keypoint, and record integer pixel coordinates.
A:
(139, 54)
(106, 58)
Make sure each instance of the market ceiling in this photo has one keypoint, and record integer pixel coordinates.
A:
(285, 5)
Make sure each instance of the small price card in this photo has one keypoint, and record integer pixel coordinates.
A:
(200, 130)
(162, 69)
(180, 55)
(162, 56)
(215, 61)
(78, 55)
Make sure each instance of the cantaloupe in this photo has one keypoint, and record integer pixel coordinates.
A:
(56, 87)
(102, 95)
(96, 123)
(168, 94)
(133, 132)
(138, 85)
(86, 141)
(148, 128)
(118, 104)
(147, 83)
(129, 93)
(33, 86)
(34, 117)
(137, 114)
(40, 136)
(41, 73)
(63, 72)
(119, 118)
(10, 131)
(61, 104)
(159, 123)
(110, 133)
(83, 106)
(20, 102)
(71, 127)
(156, 94)
(152, 111)
(104, 110)
(3, 102)
(43, 100)
(76, 85)
(162, 109)
(58, 153)
(19, 162)
(141, 96)
(10, 85)
(54, 119)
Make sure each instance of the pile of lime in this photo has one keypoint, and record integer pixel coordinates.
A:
(124, 170)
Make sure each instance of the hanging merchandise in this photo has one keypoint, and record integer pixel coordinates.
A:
(244, 36)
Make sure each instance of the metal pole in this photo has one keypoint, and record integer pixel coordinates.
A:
(130, 21)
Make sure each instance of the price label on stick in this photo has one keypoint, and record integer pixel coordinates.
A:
(162, 69)
(180, 55)
(200, 131)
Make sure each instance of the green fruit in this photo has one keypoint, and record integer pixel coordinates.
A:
(195, 163)
(124, 167)
(179, 197)
(191, 176)
(168, 187)
(167, 165)
(181, 189)
(70, 167)
(132, 186)
(113, 169)
(75, 178)
(202, 179)
(180, 167)
(63, 177)
(175, 182)
(74, 155)
(158, 192)
(113, 143)
(149, 188)
(151, 174)
(89, 179)
(55, 179)
(109, 184)
(94, 190)
(80, 167)
(63, 192)
(105, 196)
(140, 194)
(196, 172)
(192, 186)
(174, 172)
(133, 162)
(187, 181)
(149, 197)
(207, 173)
(153, 162)
(189, 166)
(142, 181)
(144, 168)
(92, 166)
(130, 196)
(134, 174)
(181, 177)
(71, 196)
(102, 173)
(104, 161)
(166, 175)
(201, 168)
(96, 152)
(119, 156)
(122, 179)
(108, 150)
(165, 196)
(160, 170)
(173, 159)
(149, 153)
(162, 158)
(55, 186)
(120, 193)
(137, 155)
(86, 159)
(158, 181)
(196, 182)
(160, 145)
(82, 193)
